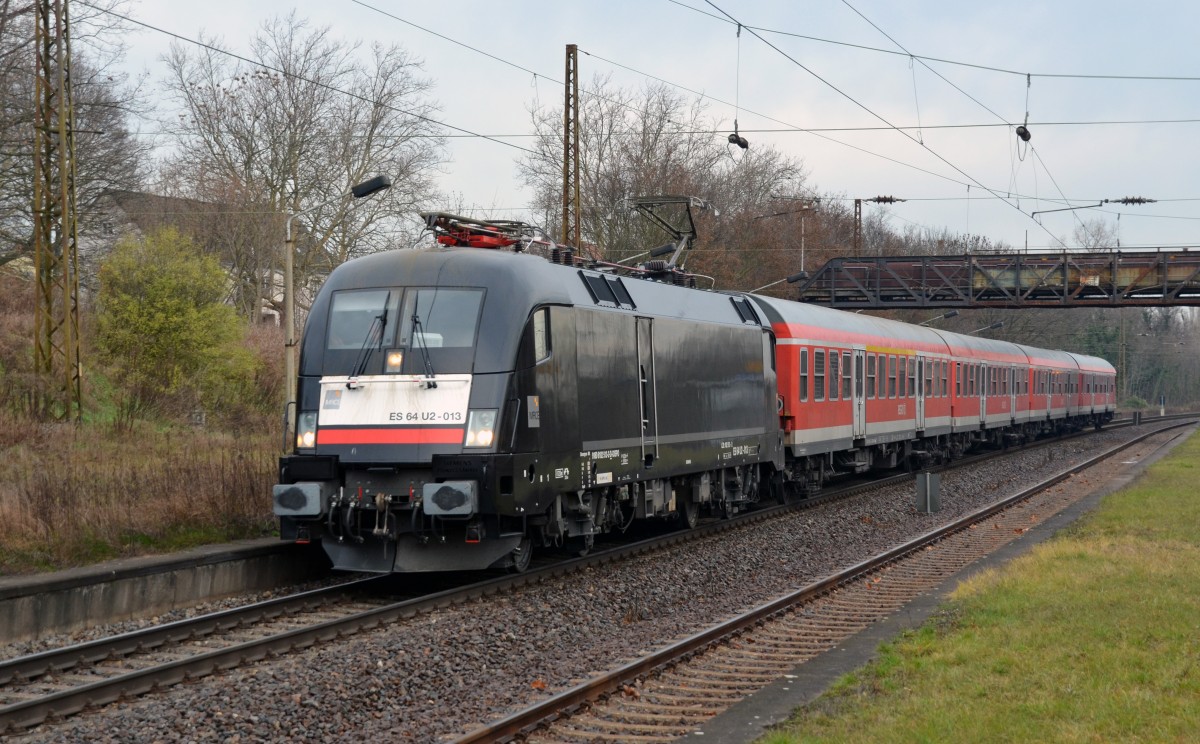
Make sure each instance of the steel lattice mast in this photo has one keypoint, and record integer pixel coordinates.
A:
(55, 234)
(570, 211)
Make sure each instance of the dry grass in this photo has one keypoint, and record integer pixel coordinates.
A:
(75, 494)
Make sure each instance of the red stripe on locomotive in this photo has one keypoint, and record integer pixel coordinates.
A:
(390, 436)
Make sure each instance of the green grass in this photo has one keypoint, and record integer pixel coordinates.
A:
(1092, 637)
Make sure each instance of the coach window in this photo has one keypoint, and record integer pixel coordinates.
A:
(819, 374)
(847, 375)
(912, 377)
(804, 374)
(870, 376)
(833, 374)
(891, 376)
(945, 378)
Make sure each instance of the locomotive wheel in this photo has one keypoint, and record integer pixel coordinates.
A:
(688, 512)
(521, 556)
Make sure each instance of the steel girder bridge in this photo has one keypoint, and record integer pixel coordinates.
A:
(1061, 279)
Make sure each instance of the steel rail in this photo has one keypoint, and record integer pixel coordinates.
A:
(523, 723)
(144, 639)
(30, 713)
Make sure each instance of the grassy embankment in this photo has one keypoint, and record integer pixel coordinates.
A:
(1092, 637)
(71, 495)
(117, 485)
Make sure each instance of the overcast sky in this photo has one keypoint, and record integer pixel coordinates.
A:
(827, 81)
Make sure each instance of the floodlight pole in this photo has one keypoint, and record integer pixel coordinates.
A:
(992, 327)
(943, 316)
(358, 191)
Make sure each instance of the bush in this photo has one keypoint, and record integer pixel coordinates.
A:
(163, 323)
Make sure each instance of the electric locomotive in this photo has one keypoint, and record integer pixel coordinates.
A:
(458, 406)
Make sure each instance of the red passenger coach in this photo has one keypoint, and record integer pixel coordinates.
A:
(858, 392)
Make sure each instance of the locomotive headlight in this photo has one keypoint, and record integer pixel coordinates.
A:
(306, 431)
(481, 428)
(394, 358)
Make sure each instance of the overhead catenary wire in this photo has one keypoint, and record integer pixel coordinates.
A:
(465, 133)
(736, 104)
(881, 118)
(653, 77)
(1022, 131)
(310, 81)
(941, 60)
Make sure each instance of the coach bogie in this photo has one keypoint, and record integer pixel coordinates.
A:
(806, 476)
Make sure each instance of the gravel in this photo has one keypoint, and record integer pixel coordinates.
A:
(438, 675)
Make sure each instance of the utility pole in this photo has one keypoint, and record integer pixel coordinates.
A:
(858, 218)
(55, 234)
(858, 227)
(570, 210)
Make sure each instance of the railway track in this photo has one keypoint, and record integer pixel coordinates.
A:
(672, 691)
(64, 681)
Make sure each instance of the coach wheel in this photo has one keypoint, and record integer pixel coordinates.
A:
(688, 512)
(521, 556)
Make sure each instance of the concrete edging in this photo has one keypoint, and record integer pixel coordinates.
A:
(39, 605)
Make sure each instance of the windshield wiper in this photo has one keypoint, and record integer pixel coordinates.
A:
(418, 336)
(374, 333)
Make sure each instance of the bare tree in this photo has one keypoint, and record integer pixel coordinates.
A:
(656, 141)
(1095, 235)
(107, 154)
(291, 133)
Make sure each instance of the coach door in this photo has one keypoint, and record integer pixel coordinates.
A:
(646, 384)
(860, 405)
(982, 381)
(920, 422)
(1012, 393)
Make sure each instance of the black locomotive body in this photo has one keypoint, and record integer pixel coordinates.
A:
(458, 406)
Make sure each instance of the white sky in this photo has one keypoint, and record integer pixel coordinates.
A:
(671, 41)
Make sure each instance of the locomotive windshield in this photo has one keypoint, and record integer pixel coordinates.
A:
(438, 326)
